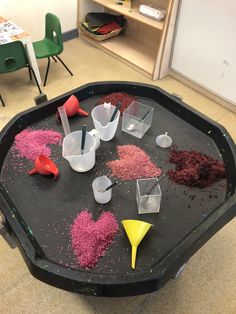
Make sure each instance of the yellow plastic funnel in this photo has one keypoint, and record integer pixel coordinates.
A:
(135, 230)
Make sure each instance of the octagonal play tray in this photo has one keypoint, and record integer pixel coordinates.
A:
(39, 211)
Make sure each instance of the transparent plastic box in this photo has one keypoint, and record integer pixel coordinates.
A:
(137, 119)
(148, 195)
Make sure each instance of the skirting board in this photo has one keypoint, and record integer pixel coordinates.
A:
(223, 102)
(73, 33)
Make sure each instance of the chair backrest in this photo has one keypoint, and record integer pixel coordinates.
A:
(53, 30)
(12, 57)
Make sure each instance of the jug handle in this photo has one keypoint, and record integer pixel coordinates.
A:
(94, 133)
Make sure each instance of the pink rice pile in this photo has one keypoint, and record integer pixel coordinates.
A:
(90, 238)
(32, 143)
(133, 163)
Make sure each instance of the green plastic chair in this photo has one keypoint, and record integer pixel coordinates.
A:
(52, 44)
(12, 58)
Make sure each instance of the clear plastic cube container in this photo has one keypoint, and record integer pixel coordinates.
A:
(137, 119)
(148, 195)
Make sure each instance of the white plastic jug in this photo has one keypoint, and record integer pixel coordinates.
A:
(101, 116)
(71, 150)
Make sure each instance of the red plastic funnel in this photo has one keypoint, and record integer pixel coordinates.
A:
(45, 166)
(72, 107)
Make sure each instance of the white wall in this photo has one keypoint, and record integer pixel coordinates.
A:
(205, 45)
(30, 14)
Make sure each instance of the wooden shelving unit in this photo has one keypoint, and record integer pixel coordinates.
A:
(131, 13)
(133, 50)
(144, 44)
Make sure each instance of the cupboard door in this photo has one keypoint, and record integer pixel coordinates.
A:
(205, 47)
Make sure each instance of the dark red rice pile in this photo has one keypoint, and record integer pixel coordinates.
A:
(195, 169)
(114, 98)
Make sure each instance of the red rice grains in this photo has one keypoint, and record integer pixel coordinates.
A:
(195, 169)
(114, 98)
(133, 163)
(90, 238)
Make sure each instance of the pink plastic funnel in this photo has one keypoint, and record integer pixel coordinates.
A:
(45, 166)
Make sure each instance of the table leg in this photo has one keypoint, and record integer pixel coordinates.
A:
(33, 61)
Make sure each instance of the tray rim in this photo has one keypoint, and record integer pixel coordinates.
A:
(134, 283)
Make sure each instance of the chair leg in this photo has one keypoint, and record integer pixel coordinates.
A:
(46, 75)
(3, 103)
(54, 59)
(30, 74)
(35, 78)
(64, 65)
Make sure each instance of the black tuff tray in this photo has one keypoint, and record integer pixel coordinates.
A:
(39, 211)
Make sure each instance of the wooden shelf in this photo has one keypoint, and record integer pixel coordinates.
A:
(128, 51)
(144, 44)
(131, 13)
